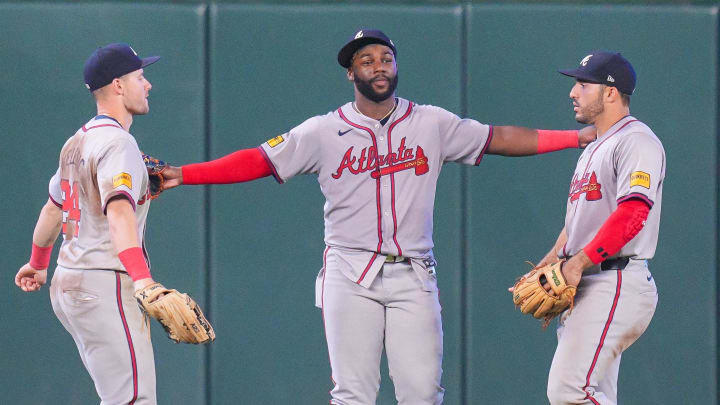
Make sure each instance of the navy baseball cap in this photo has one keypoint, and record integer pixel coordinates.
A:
(359, 40)
(111, 61)
(608, 68)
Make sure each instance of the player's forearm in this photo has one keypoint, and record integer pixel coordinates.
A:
(243, 165)
(560, 242)
(48, 225)
(551, 256)
(619, 229)
(46, 232)
(123, 227)
(123, 233)
(519, 141)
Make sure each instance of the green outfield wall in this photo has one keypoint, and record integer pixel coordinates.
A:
(234, 74)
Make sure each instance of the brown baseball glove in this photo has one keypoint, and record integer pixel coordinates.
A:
(155, 168)
(178, 314)
(532, 298)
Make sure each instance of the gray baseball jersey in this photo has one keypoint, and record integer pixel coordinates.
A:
(378, 180)
(90, 292)
(379, 184)
(100, 161)
(628, 161)
(616, 300)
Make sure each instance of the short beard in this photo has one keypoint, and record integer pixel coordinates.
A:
(591, 112)
(365, 88)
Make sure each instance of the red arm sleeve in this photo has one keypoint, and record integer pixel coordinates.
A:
(240, 166)
(619, 229)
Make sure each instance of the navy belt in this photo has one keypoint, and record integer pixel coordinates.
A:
(615, 264)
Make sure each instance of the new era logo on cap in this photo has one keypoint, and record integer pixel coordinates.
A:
(608, 68)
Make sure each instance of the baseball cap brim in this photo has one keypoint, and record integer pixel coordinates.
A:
(346, 53)
(149, 61)
(580, 75)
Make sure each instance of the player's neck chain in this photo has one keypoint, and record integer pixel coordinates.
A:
(390, 111)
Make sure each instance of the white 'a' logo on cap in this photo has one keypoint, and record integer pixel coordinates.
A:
(585, 60)
(359, 35)
(132, 50)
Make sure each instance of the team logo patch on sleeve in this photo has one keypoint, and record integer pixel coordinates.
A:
(275, 141)
(122, 179)
(641, 179)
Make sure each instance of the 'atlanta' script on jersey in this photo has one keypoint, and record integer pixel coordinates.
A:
(369, 159)
(590, 187)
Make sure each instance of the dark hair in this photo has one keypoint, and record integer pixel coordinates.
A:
(625, 99)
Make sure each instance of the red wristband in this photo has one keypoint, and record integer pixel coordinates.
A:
(40, 257)
(134, 261)
(550, 140)
(243, 165)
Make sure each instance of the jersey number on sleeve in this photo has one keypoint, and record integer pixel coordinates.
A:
(70, 208)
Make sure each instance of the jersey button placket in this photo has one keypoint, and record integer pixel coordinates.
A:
(385, 193)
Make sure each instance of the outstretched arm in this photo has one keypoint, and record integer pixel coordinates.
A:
(243, 165)
(33, 274)
(520, 141)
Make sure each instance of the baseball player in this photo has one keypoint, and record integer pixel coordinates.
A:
(377, 160)
(610, 233)
(98, 199)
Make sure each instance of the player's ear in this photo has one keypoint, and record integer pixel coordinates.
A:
(350, 74)
(613, 95)
(117, 85)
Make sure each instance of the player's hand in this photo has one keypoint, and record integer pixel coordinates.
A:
(30, 279)
(587, 135)
(574, 268)
(173, 177)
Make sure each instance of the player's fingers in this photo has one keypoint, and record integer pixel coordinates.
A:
(20, 275)
(32, 286)
(547, 288)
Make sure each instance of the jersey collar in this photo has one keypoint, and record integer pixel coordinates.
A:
(102, 116)
(616, 126)
(359, 118)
